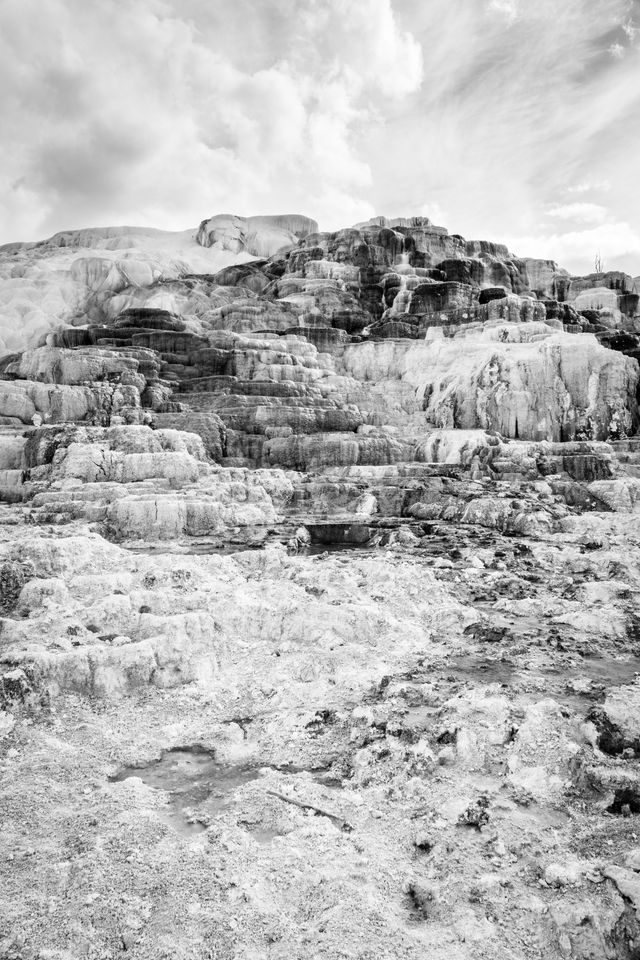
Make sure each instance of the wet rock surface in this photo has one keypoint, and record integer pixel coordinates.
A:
(319, 581)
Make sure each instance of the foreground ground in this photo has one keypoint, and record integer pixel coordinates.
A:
(415, 751)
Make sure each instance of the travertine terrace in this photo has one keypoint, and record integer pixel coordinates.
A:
(319, 576)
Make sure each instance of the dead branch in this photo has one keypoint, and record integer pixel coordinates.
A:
(347, 827)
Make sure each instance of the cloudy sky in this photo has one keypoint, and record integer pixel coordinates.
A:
(510, 120)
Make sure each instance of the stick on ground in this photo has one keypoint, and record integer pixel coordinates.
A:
(347, 827)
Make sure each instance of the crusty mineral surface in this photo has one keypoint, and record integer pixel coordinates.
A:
(319, 579)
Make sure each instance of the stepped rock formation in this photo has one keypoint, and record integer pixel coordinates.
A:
(318, 596)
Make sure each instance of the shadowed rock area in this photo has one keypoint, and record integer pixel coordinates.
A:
(319, 579)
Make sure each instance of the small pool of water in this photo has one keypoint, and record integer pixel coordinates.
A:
(259, 832)
(358, 542)
(196, 781)
(572, 684)
(604, 671)
(191, 777)
(485, 669)
(198, 547)
(317, 549)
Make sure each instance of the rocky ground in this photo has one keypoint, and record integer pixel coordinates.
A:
(300, 655)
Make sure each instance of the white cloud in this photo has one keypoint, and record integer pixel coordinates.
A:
(149, 118)
(374, 51)
(520, 111)
(617, 242)
(590, 186)
(434, 211)
(582, 212)
(491, 117)
(509, 8)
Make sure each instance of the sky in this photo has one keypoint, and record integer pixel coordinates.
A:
(516, 121)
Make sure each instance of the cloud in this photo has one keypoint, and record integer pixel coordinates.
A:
(434, 212)
(582, 212)
(521, 104)
(499, 118)
(508, 8)
(617, 242)
(590, 186)
(152, 118)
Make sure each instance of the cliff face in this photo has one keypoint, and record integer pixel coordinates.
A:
(162, 300)
(332, 351)
(329, 351)
(353, 513)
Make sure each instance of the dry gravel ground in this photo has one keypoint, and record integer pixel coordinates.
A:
(403, 753)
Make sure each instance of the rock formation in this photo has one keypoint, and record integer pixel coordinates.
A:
(318, 596)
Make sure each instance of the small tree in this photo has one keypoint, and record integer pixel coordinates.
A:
(598, 264)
